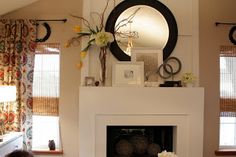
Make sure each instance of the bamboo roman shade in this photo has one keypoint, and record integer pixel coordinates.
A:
(228, 81)
(45, 106)
(46, 80)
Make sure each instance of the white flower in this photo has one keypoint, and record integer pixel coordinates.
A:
(92, 38)
(166, 154)
(188, 78)
(103, 38)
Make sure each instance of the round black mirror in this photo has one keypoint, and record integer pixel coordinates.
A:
(163, 15)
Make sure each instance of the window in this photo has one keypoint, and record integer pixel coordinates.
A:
(227, 132)
(228, 97)
(46, 97)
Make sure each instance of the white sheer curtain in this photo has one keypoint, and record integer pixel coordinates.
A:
(46, 96)
(46, 80)
(228, 81)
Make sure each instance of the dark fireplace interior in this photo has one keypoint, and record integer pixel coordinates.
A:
(138, 141)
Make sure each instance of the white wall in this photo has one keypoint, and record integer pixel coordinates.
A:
(187, 45)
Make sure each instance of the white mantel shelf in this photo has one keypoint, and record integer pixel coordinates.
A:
(119, 97)
(177, 106)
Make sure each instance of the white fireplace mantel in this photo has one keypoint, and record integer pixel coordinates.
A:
(102, 106)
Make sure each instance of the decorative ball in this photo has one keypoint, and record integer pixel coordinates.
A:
(153, 149)
(140, 144)
(124, 148)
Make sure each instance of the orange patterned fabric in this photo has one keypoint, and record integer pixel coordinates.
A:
(17, 48)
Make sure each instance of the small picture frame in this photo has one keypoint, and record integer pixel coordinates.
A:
(89, 81)
(128, 74)
(152, 59)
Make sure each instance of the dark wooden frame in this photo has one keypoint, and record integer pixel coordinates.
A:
(231, 35)
(173, 30)
(225, 152)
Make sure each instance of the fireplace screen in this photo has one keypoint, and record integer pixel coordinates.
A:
(138, 141)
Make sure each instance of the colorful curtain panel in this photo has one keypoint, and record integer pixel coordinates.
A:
(17, 47)
(228, 81)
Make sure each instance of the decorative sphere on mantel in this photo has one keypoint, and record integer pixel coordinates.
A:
(124, 148)
(153, 149)
(140, 143)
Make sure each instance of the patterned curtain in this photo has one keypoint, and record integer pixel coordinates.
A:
(17, 47)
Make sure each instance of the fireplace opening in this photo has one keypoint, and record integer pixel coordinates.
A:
(138, 141)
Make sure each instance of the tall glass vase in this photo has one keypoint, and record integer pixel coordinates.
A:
(102, 58)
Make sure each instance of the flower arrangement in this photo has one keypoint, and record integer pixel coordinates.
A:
(188, 78)
(96, 37)
(167, 154)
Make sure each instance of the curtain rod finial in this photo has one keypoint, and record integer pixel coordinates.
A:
(64, 20)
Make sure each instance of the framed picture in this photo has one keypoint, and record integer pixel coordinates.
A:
(152, 60)
(89, 81)
(128, 74)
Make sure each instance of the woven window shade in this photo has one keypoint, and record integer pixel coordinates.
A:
(45, 106)
(228, 51)
(46, 80)
(47, 48)
(228, 81)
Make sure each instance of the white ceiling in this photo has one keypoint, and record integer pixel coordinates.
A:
(7, 6)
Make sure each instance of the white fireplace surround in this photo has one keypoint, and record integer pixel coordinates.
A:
(182, 108)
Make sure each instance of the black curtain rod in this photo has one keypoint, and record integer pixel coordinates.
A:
(224, 23)
(63, 20)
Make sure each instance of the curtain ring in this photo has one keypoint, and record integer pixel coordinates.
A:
(48, 29)
(231, 35)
